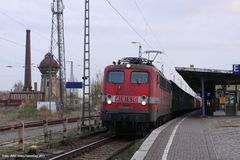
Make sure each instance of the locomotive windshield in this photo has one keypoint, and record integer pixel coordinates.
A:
(116, 76)
(139, 77)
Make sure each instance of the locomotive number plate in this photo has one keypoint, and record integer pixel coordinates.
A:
(126, 99)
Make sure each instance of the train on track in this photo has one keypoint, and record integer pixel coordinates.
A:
(137, 96)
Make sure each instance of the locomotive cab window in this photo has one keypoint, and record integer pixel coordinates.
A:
(116, 76)
(139, 77)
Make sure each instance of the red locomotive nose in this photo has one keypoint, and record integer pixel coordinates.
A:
(126, 86)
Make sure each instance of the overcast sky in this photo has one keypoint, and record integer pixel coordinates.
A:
(205, 33)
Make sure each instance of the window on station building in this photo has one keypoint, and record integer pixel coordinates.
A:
(116, 76)
(139, 77)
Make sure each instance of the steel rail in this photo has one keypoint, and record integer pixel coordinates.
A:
(81, 149)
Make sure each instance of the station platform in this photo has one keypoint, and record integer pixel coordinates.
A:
(192, 137)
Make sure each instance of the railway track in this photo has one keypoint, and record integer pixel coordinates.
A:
(101, 150)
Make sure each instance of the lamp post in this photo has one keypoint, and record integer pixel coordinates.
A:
(71, 80)
(140, 48)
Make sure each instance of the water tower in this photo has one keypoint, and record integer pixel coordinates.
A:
(49, 82)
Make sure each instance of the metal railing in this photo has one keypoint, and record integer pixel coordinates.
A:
(21, 126)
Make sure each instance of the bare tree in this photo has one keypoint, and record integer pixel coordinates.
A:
(18, 86)
(96, 88)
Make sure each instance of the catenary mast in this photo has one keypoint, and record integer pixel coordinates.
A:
(86, 64)
(58, 45)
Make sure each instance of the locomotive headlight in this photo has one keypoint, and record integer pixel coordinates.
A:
(109, 99)
(128, 65)
(144, 103)
(144, 100)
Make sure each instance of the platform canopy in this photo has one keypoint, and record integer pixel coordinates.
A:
(193, 76)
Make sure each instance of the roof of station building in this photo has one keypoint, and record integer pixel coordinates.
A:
(193, 76)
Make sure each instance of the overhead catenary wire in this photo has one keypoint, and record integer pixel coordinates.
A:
(13, 19)
(149, 26)
(20, 23)
(147, 23)
(129, 24)
(18, 44)
(23, 25)
(13, 42)
(170, 69)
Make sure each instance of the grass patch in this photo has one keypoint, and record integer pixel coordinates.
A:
(25, 113)
(3, 120)
(7, 116)
(26, 110)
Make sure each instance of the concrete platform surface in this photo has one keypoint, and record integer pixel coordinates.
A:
(193, 138)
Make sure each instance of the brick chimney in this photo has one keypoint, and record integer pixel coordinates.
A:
(28, 76)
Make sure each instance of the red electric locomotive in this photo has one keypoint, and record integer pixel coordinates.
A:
(136, 95)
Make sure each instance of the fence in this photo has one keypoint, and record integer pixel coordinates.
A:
(21, 127)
